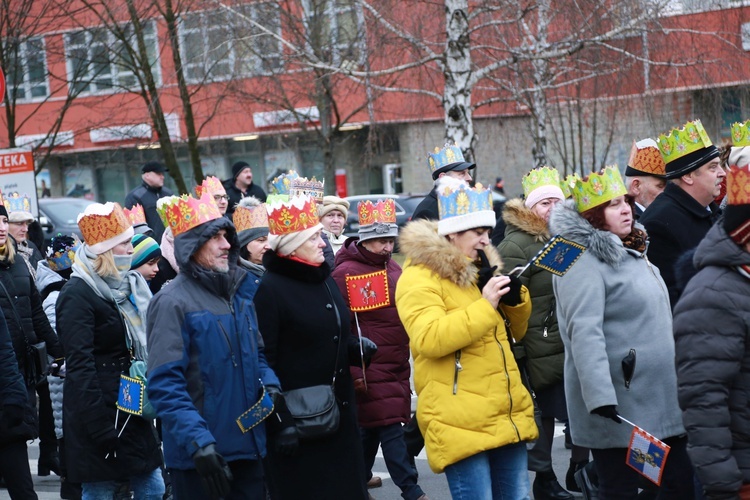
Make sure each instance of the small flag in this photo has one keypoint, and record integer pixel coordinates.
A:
(368, 291)
(257, 413)
(130, 397)
(647, 455)
(559, 255)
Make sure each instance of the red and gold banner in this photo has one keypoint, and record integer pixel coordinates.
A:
(368, 291)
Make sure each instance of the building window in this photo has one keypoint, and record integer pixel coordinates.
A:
(335, 30)
(27, 70)
(222, 44)
(100, 61)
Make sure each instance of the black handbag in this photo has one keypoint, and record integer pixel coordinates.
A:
(314, 409)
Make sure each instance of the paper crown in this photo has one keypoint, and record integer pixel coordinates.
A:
(297, 214)
(683, 141)
(741, 134)
(598, 188)
(568, 184)
(539, 177)
(250, 217)
(104, 226)
(135, 215)
(462, 207)
(302, 186)
(381, 212)
(738, 185)
(645, 158)
(14, 202)
(61, 252)
(444, 157)
(210, 184)
(283, 183)
(183, 213)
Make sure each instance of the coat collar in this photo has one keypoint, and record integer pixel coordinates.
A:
(294, 269)
(516, 214)
(682, 198)
(422, 246)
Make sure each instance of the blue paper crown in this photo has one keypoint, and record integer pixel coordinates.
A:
(283, 183)
(14, 202)
(463, 201)
(442, 157)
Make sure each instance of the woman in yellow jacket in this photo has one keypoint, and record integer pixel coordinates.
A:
(473, 410)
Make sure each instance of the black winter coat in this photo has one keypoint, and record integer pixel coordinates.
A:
(303, 340)
(147, 196)
(675, 223)
(93, 335)
(427, 208)
(235, 195)
(712, 352)
(12, 390)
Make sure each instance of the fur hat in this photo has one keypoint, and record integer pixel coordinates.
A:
(331, 203)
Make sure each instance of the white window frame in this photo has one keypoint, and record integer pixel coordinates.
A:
(332, 10)
(26, 84)
(96, 83)
(204, 67)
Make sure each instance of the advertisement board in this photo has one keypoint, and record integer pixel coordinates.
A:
(17, 180)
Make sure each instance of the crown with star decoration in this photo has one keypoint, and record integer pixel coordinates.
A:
(183, 213)
(598, 187)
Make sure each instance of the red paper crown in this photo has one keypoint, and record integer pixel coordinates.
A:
(100, 227)
(183, 213)
(384, 212)
(292, 216)
(250, 217)
(135, 215)
(211, 184)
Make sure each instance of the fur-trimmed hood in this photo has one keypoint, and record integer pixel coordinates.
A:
(517, 215)
(421, 245)
(568, 223)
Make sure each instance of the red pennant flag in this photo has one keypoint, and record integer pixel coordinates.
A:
(368, 291)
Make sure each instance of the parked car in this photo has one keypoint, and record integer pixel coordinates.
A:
(59, 215)
(405, 206)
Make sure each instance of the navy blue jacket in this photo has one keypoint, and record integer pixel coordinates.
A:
(206, 361)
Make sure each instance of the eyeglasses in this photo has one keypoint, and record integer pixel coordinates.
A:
(219, 197)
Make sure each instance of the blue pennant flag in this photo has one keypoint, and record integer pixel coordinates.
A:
(130, 397)
(647, 455)
(558, 255)
(257, 413)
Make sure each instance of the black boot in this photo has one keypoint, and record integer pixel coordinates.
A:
(570, 481)
(546, 487)
(588, 481)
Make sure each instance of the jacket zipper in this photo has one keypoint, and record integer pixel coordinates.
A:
(507, 379)
(458, 368)
(229, 343)
(548, 318)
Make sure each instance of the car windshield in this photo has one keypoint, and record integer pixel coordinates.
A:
(64, 211)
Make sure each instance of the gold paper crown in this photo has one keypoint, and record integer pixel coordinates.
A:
(135, 215)
(741, 134)
(382, 212)
(539, 177)
(568, 184)
(301, 186)
(738, 185)
(97, 228)
(645, 157)
(250, 217)
(183, 213)
(211, 184)
(683, 141)
(598, 188)
(292, 216)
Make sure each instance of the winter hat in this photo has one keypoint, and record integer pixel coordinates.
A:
(153, 166)
(103, 227)
(331, 203)
(461, 207)
(686, 149)
(61, 252)
(291, 223)
(145, 249)
(737, 212)
(238, 167)
(540, 184)
(377, 220)
(251, 220)
(20, 216)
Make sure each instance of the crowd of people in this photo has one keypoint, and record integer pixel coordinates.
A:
(229, 344)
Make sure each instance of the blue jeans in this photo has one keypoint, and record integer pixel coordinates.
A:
(498, 474)
(148, 486)
(391, 439)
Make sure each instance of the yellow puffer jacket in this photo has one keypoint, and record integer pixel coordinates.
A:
(470, 395)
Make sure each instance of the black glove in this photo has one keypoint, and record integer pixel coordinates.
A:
(609, 411)
(106, 440)
(286, 441)
(485, 272)
(369, 348)
(213, 470)
(12, 416)
(513, 297)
